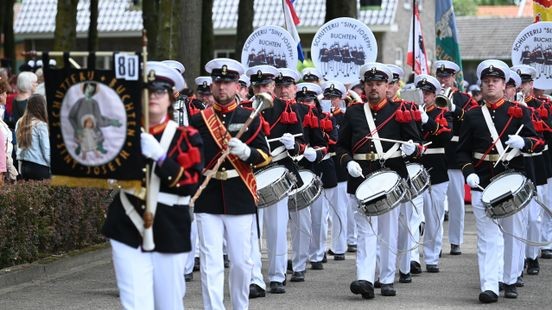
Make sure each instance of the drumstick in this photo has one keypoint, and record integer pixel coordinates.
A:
(507, 147)
(480, 187)
(397, 141)
(278, 139)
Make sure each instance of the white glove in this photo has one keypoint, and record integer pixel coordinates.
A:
(288, 140)
(408, 148)
(354, 169)
(239, 149)
(310, 154)
(424, 116)
(472, 180)
(151, 148)
(515, 141)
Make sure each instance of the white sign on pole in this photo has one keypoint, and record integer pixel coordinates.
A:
(533, 47)
(270, 45)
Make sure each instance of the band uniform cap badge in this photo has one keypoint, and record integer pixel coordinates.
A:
(332, 87)
(491, 68)
(304, 89)
(519, 71)
(442, 68)
(151, 76)
(204, 84)
(259, 74)
(224, 70)
(374, 70)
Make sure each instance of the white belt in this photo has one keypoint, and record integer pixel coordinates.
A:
(455, 139)
(172, 199)
(489, 157)
(224, 174)
(436, 150)
(531, 154)
(374, 156)
(280, 156)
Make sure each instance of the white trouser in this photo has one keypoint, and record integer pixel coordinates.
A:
(256, 237)
(546, 218)
(455, 201)
(275, 222)
(417, 219)
(236, 229)
(388, 230)
(319, 222)
(434, 212)
(300, 227)
(190, 259)
(514, 227)
(148, 280)
(409, 232)
(352, 207)
(366, 243)
(490, 246)
(535, 223)
(338, 212)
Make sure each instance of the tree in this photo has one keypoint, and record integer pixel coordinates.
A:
(6, 28)
(65, 34)
(150, 10)
(340, 8)
(464, 7)
(164, 45)
(189, 43)
(93, 27)
(207, 33)
(245, 24)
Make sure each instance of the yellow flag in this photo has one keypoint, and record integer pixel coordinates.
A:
(542, 10)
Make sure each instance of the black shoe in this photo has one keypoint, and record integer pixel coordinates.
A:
(405, 277)
(377, 284)
(520, 282)
(500, 286)
(317, 266)
(289, 266)
(277, 288)
(415, 267)
(189, 277)
(351, 248)
(362, 287)
(533, 266)
(339, 256)
(256, 291)
(445, 218)
(325, 258)
(488, 297)
(455, 249)
(196, 264)
(432, 268)
(226, 261)
(546, 253)
(388, 290)
(298, 276)
(510, 291)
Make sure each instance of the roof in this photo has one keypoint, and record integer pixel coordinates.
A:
(37, 17)
(495, 41)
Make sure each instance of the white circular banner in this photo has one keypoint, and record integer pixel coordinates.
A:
(533, 47)
(341, 46)
(270, 45)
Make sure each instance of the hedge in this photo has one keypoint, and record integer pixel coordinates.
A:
(39, 220)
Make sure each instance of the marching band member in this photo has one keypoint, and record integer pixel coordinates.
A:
(361, 155)
(479, 148)
(203, 90)
(312, 75)
(436, 128)
(445, 72)
(148, 280)
(286, 85)
(245, 82)
(221, 213)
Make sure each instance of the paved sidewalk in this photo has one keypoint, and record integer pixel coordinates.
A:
(87, 281)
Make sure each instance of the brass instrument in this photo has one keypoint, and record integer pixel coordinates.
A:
(444, 98)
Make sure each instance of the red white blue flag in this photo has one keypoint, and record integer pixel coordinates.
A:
(292, 20)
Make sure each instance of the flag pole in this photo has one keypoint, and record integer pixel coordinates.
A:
(414, 36)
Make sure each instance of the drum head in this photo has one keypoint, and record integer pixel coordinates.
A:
(413, 169)
(377, 183)
(307, 178)
(268, 176)
(505, 184)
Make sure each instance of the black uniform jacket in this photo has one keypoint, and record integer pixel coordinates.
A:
(463, 103)
(438, 131)
(341, 173)
(352, 138)
(475, 137)
(542, 123)
(171, 226)
(230, 196)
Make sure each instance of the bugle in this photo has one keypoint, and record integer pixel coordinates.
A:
(444, 98)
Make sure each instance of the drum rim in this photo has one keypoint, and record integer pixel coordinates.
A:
(381, 171)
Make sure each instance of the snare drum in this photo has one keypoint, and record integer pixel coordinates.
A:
(508, 193)
(273, 184)
(419, 178)
(381, 192)
(305, 195)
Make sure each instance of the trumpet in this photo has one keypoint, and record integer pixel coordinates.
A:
(352, 97)
(444, 98)
(262, 99)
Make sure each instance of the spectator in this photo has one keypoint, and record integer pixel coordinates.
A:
(6, 146)
(33, 144)
(26, 86)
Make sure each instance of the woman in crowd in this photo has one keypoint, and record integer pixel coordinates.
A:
(6, 146)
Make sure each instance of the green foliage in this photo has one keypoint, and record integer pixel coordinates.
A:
(464, 7)
(38, 220)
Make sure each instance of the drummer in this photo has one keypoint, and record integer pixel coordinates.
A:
(363, 156)
(437, 129)
(285, 128)
(477, 154)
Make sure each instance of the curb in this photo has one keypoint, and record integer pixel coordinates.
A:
(52, 265)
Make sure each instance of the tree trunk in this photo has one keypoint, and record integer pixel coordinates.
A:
(65, 34)
(207, 33)
(245, 24)
(189, 47)
(93, 28)
(150, 9)
(7, 29)
(164, 30)
(340, 8)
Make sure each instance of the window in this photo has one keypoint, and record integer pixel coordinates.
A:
(227, 53)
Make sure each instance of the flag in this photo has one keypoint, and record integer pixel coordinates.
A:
(416, 56)
(542, 10)
(446, 37)
(292, 20)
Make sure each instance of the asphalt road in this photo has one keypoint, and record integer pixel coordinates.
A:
(87, 281)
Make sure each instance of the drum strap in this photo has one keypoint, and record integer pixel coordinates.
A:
(495, 136)
(374, 131)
